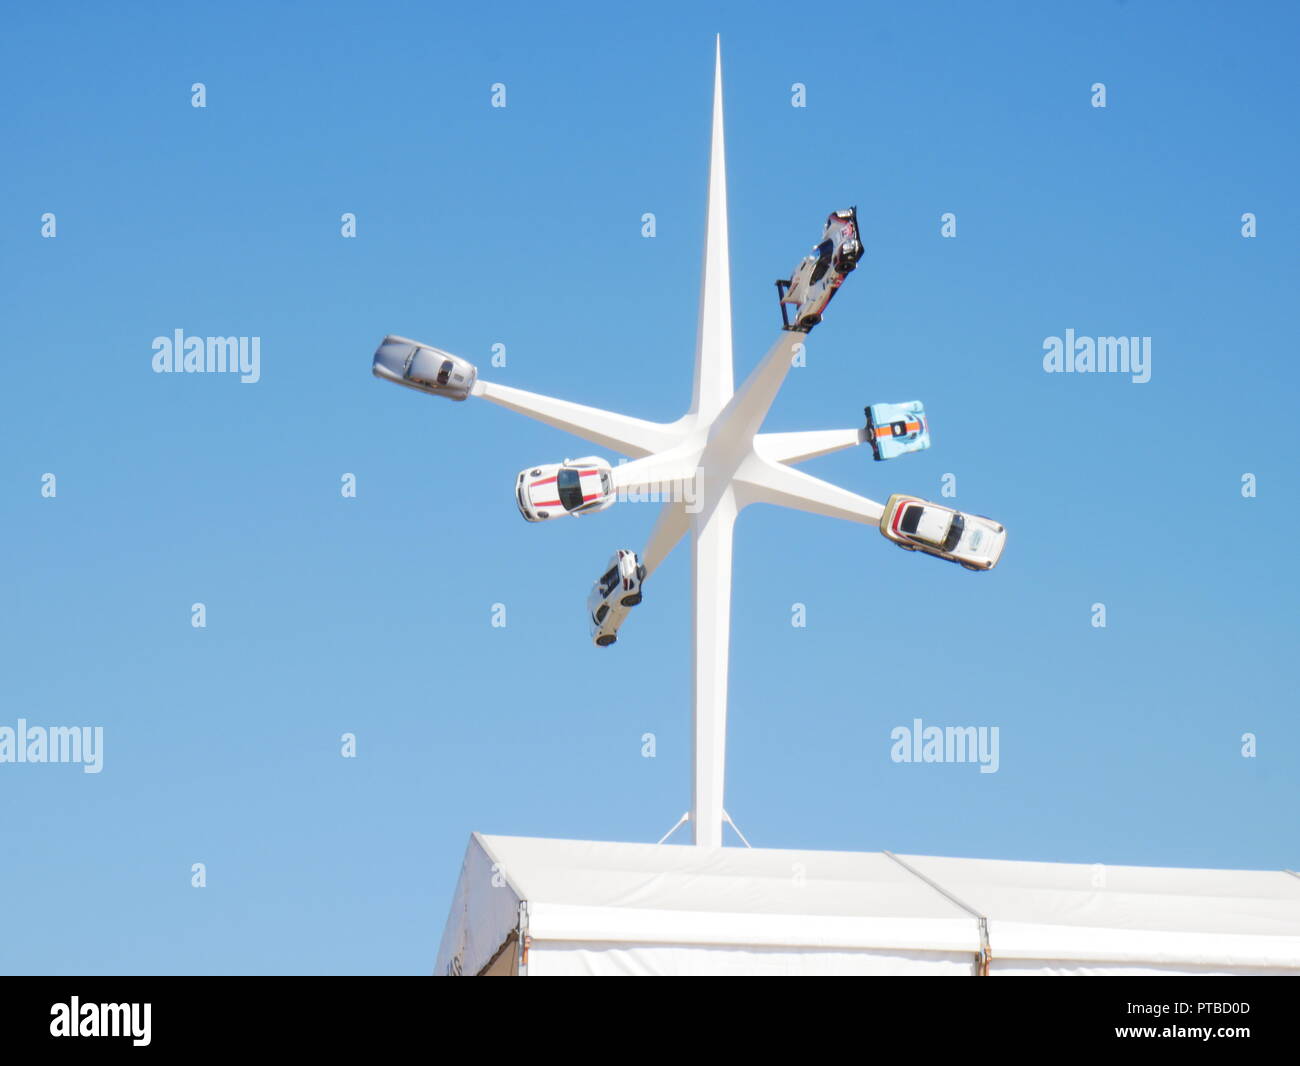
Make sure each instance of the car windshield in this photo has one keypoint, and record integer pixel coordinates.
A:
(954, 534)
(609, 582)
(910, 518)
(823, 261)
(570, 488)
(444, 372)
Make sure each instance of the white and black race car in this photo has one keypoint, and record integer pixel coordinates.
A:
(819, 275)
(615, 593)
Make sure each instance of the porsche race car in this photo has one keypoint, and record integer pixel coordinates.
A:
(894, 429)
(818, 276)
(615, 593)
(575, 486)
(973, 541)
(423, 367)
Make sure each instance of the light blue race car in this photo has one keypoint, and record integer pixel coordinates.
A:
(894, 429)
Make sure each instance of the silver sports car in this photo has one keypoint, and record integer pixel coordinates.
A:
(420, 366)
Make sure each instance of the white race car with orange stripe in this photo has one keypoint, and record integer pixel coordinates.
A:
(970, 539)
(575, 486)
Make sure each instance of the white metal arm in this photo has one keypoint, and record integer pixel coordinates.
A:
(760, 481)
(622, 433)
(671, 474)
(742, 416)
(796, 447)
(671, 526)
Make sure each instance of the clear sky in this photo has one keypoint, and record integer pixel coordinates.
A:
(521, 226)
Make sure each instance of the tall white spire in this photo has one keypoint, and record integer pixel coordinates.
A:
(713, 366)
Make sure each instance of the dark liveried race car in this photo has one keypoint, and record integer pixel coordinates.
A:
(819, 275)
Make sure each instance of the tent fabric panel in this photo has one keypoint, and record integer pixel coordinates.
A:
(484, 913)
(1241, 903)
(610, 959)
(1061, 968)
(555, 921)
(1158, 947)
(685, 878)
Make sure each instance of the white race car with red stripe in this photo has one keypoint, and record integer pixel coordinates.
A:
(575, 486)
(970, 539)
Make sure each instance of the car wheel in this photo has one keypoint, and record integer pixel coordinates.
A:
(605, 640)
(808, 321)
(631, 601)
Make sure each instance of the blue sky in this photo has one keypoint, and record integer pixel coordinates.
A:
(521, 226)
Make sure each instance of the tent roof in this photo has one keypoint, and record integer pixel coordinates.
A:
(1250, 902)
(648, 893)
(587, 890)
(685, 878)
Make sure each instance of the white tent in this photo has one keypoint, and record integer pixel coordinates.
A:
(554, 907)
